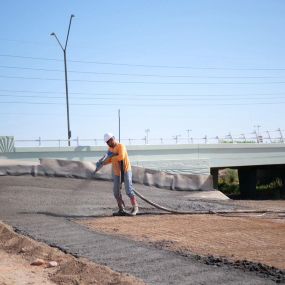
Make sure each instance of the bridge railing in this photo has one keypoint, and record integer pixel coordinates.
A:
(40, 142)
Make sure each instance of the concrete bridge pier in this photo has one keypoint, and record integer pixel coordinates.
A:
(247, 181)
(283, 182)
(215, 175)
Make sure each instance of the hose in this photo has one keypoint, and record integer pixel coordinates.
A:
(223, 212)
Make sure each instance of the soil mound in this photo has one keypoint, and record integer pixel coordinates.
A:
(70, 270)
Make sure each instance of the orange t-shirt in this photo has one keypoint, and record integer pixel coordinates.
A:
(122, 155)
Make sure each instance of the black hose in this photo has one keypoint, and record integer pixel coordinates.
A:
(205, 212)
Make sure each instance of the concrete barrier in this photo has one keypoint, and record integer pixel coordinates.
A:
(85, 170)
(172, 181)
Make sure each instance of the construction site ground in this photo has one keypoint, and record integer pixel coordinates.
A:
(73, 218)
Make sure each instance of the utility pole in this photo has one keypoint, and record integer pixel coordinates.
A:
(188, 135)
(65, 72)
(147, 132)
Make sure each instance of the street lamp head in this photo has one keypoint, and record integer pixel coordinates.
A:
(52, 34)
(72, 16)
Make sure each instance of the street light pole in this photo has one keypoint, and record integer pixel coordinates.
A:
(176, 138)
(65, 72)
(146, 138)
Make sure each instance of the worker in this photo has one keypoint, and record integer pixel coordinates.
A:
(122, 172)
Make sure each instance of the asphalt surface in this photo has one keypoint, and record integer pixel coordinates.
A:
(45, 208)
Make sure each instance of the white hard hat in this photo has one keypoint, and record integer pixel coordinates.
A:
(108, 136)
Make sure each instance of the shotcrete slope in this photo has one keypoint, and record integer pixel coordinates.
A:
(43, 208)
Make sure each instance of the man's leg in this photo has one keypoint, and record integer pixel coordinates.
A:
(118, 195)
(130, 192)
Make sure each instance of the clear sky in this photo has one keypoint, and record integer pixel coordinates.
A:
(212, 66)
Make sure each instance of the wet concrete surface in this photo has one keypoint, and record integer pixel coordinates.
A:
(44, 209)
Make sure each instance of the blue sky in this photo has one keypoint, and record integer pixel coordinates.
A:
(210, 66)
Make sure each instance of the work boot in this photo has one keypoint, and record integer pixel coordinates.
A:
(121, 212)
(134, 210)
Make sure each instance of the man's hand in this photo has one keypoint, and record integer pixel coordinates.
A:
(101, 162)
(98, 164)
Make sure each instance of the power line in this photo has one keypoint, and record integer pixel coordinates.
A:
(141, 94)
(142, 65)
(139, 74)
(30, 57)
(31, 68)
(25, 42)
(153, 98)
(143, 105)
(143, 82)
(30, 78)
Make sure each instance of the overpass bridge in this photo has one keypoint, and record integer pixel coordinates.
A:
(252, 160)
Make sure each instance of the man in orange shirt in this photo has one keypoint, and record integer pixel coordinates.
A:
(122, 171)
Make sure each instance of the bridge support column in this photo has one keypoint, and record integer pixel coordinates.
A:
(215, 174)
(247, 182)
(283, 184)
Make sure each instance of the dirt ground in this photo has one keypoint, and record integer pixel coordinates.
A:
(25, 273)
(259, 238)
(18, 252)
